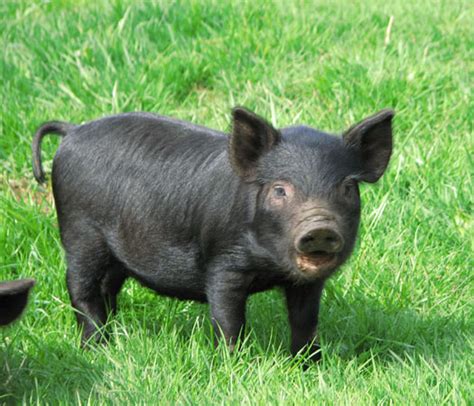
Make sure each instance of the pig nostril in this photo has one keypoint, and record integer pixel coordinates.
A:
(333, 243)
(320, 240)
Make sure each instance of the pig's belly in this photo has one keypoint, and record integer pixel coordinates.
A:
(168, 270)
(174, 283)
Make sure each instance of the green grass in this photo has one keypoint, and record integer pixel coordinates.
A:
(396, 322)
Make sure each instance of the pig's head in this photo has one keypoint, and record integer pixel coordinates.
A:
(307, 188)
(13, 299)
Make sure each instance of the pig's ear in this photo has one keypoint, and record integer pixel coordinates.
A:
(13, 298)
(250, 139)
(372, 141)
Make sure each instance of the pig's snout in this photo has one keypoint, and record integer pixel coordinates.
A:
(320, 239)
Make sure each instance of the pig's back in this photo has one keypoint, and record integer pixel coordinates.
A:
(133, 157)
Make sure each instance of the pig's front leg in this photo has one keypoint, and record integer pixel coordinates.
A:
(227, 295)
(303, 309)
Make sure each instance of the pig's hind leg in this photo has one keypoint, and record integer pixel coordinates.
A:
(111, 284)
(94, 279)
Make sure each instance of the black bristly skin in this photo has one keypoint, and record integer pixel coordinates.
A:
(194, 214)
(13, 299)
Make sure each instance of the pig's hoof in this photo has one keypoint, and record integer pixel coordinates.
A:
(308, 357)
(93, 339)
(315, 354)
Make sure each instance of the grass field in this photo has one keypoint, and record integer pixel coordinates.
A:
(396, 322)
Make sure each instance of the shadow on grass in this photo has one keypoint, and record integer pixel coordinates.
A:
(362, 328)
(53, 370)
(356, 328)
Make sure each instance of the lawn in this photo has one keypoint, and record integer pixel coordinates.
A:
(396, 321)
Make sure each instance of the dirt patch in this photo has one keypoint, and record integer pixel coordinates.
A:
(30, 193)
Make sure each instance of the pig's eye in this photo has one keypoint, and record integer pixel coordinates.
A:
(279, 191)
(280, 194)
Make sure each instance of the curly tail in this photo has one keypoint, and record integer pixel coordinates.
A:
(55, 127)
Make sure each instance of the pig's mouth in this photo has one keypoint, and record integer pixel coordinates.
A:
(315, 263)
